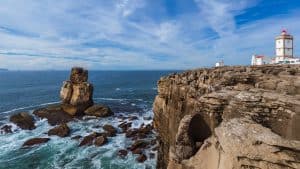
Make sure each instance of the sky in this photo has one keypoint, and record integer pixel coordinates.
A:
(141, 34)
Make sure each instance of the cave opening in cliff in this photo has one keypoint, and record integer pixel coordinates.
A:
(198, 130)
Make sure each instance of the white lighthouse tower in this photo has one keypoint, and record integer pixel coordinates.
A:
(284, 47)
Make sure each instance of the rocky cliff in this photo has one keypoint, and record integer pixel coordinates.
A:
(229, 117)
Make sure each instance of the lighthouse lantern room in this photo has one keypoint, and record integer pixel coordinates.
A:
(284, 46)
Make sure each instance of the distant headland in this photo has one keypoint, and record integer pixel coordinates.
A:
(3, 69)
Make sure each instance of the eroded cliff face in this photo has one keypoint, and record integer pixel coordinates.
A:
(229, 117)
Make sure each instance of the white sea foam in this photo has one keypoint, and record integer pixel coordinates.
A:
(65, 153)
(27, 107)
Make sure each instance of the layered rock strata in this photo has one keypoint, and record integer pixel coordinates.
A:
(221, 118)
(77, 93)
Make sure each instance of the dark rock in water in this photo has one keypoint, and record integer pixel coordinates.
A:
(54, 114)
(99, 111)
(131, 118)
(23, 120)
(122, 153)
(76, 137)
(138, 144)
(153, 142)
(141, 158)
(140, 132)
(137, 151)
(6, 129)
(62, 130)
(151, 155)
(125, 126)
(101, 140)
(35, 141)
(111, 130)
(88, 140)
(78, 75)
(77, 94)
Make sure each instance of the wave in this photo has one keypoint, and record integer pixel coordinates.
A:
(27, 107)
(115, 99)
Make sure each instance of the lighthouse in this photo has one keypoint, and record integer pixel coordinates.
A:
(284, 47)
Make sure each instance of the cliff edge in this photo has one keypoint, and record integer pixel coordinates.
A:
(229, 117)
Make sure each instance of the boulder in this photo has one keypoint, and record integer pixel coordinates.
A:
(98, 111)
(35, 141)
(111, 130)
(89, 139)
(6, 129)
(23, 120)
(62, 130)
(122, 153)
(54, 114)
(100, 140)
(125, 126)
(141, 144)
(141, 158)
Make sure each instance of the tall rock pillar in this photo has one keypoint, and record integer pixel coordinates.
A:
(77, 93)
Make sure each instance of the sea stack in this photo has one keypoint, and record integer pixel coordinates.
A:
(77, 93)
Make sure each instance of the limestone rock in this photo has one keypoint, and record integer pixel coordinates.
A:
(78, 75)
(77, 94)
(111, 130)
(242, 143)
(101, 140)
(99, 111)
(62, 130)
(23, 120)
(35, 141)
(269, 95)
(54, 114)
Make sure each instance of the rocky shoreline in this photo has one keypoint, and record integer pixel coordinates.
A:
(229, 117)
(77, 104)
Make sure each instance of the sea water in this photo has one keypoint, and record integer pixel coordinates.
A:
(126, 92)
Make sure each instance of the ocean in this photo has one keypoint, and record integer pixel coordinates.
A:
(125, 92)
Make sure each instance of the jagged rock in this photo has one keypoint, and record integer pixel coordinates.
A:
(54, 114)
(62, 130)
(78, 75)
(111, 130)
(101, 140)
(35, 141)
(77, 94)
(139, 144)
(122, 153)
(125, 126)
(141, 158)
(23, 120)
(242, 143)
(6, 129)
(269, 95)
(98, 111)
(88, 140)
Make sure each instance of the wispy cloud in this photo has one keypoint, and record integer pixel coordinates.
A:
(133, 34)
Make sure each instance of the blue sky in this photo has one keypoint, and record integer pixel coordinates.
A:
(141, 34)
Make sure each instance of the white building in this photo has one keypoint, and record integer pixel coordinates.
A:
(220, 64)
(258, 60)
(284, 50)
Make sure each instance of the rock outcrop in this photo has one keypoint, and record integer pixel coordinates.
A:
(77, 93)
(23, 120)
(220, 118)
(62, 130)
(35, 141)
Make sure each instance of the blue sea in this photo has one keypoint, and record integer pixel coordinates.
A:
(126, 92)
